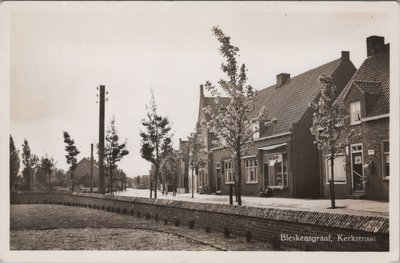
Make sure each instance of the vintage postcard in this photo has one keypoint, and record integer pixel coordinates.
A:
(199, 131)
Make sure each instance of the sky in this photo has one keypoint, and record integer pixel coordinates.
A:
(60, 53)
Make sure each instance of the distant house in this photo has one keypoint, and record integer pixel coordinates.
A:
(206, 176)
(183, 164)
(363, 169)
(82, 173)
(283, 156)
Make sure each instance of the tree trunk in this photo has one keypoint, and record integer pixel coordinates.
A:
(332, 183)
(192, 184)
(50, 186)
(72, 181)
(155, 181)
(239, 176)
(151, 187)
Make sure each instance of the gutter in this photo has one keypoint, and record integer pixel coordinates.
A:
(375, 117)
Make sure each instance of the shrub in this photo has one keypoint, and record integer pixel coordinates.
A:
(191, 224)
(176, 223)
(165, 221)
(208, 230)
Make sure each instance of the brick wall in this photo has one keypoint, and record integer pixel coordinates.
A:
(264, 223)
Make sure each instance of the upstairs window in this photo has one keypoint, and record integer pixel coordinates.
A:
(355, 112)
(255, 128)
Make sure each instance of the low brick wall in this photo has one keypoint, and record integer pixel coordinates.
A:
(305, 230)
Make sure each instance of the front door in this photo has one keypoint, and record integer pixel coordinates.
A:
(265, 175)
(218, 189)
(357, 167)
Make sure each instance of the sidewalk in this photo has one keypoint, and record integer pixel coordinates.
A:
(344, 206)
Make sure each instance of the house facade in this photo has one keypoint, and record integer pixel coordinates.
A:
(362, 169)
(82, 173)
(182, 183)
(283, 156)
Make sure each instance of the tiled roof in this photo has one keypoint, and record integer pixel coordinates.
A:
(368, 87)
(289, 102)
(209, 101)
(374, 69)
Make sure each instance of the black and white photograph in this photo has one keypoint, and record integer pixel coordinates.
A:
(199, 131)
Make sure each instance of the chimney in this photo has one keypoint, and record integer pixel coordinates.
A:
(201, 91)
(345, 55)
(373, 43)
(281, 79)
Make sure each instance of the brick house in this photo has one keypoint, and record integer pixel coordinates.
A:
(183, 167)
(283, 156)
(362, 170)
(82, 173)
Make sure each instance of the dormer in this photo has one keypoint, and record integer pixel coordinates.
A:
(360, 98)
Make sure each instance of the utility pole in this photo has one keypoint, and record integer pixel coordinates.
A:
(91, 167)
(101, 138)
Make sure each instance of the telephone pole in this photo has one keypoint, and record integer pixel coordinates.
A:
(101, 138)
(91, 167)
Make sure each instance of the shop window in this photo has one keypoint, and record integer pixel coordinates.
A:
(339, 169)
(385, 159)
(251, 170)
(277, 170)
(355, 112)
(228, 172)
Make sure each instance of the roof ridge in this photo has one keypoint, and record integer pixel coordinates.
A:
(307, 71)
(367, 81)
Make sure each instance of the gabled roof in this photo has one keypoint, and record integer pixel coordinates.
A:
(289, 102)
(210, 101)
(368, 87)
(84, 159)
(373, 71)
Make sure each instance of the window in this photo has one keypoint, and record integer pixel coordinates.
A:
(251, 170)
(255, 128)
(355, 112)
(228, 172)
(385, 159)
(277, 169)
(339, 169)
(222, 141)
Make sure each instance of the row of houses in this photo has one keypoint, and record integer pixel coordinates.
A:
(284, 157)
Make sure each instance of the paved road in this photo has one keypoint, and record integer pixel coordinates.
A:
(345, 206)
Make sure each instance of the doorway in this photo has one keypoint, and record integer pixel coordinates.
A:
(357, 167)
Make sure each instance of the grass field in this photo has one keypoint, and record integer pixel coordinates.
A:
(52, 227)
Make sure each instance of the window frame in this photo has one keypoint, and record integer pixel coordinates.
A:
(327, 169)
(250, 165)
(227, 170)
(353, 121)
(383, 160)
(284, 173)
